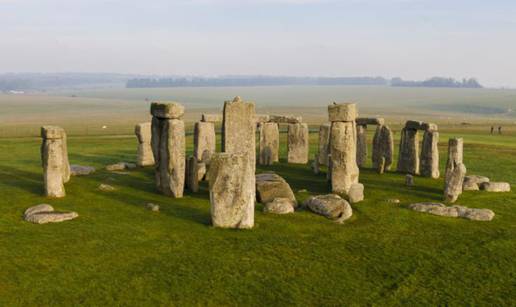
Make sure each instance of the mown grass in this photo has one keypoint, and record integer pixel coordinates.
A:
(119, 253)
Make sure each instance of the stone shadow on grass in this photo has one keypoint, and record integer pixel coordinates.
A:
(30, 181)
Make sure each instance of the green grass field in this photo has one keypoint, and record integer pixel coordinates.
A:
(119, 253)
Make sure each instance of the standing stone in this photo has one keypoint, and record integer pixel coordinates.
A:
(324, 140)
(430, 155)
(409, 180)
(239, 129)
(204, 140)
(361, 145)
(55, 168)
(408, 159)
(297, 143)
(455, 171)
(192, 174)
(269, 143)
(383, 147)
(343, 167)
(168, 146)
(143, 133)
(67, 172)
(232, 190)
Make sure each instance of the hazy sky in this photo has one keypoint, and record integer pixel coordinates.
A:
(413, 39)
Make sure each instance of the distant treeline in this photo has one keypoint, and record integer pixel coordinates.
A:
(438, 82)
(277, 81)
(252, 81)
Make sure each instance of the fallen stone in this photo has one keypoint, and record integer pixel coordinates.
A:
(80, 170)
(279, 206)
(42, 214)
(152, 207)
(167, 110)
(106, 187)
(472, 182)
(331, 206)
(120, 166)
(270, 186)
(356, 193)
(453, 211)
(285, 119)
(342, 112)
(495, 186)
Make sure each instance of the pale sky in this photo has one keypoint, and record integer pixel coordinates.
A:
(414, 39)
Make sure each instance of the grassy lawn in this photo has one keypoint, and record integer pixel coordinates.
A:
(119, 253)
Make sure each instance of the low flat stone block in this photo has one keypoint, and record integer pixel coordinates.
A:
(81, 170)
(279, 206)
(495, 186)
(342, 112)
(270, 186)
(331, 206)
(169, 110)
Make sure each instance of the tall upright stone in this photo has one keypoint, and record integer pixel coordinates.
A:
(269, 143)
(383, 148)
(239, 129)
(343, 169)
(232, 190)
(429, 165)
(297, 143)
(143, 134)
(54, 158)
(324, 141)
(204, 140)
(168, 146)
(455, 170)
(408, 159)
(361, 145)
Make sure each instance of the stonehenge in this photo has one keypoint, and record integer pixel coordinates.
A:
(382, 144)
(455, 171)
(331, 206)
(343, 170)
(410, 160)
(54, 158)
(144, 154)
(298, 144)
(168, 147)
(324, 141)
(269, 143)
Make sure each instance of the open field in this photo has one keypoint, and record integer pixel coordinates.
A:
(119, 253)
(86, 112)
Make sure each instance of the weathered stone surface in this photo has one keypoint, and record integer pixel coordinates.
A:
(331, 206)
(67, 173)
(364, 121)
(204, 140)
(455, 171)
(342, 112)
(343, 169)
(315, 165)
(55, 165)
(120, 166)
(269, 143)
(297, 141)
(261, 118)
(472, 182)
(239, 129)
(324, 141)
(414, 125)
(356, 193)
(361, 145)
(106, 187)
(232, 190)
(409, 180)
(495, 186)
(167, 110)
(144, 154)
(408, 159)
(152, 207)
(192, 176)
(42, 214)
(383, 148)
(429, 165)
(430, 127)
(171, 167)
(285, 119)
(81, 170)
(270, 186)
(201, 170)
(212, 118)
(453, 211)
(279, 206)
